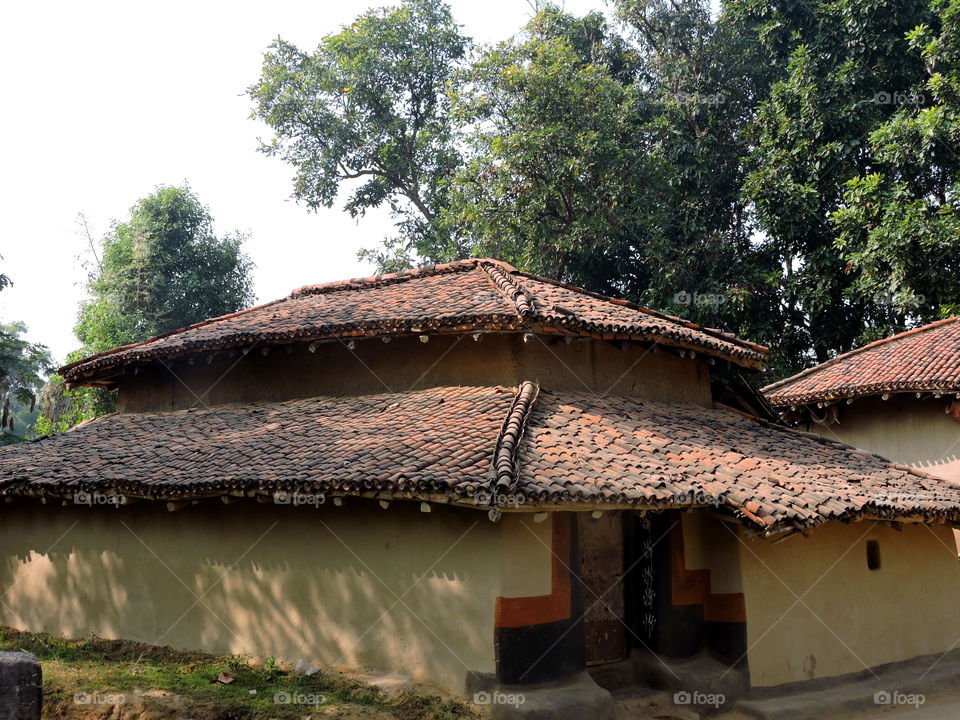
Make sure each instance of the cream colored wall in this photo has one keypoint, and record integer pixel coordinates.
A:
(393, 589)
(710, 544)
(848, 618)
(526, 555)
(914, 432)
(406, 363)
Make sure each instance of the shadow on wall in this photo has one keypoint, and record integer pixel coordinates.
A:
(359, 586)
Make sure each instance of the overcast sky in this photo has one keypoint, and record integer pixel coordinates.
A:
(107, 100)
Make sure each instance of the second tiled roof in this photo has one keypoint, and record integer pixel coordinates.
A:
(465, 296)
(926, 359)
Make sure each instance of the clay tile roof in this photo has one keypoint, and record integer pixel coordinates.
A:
(464, 296)
(926, 359)
(435, 440)
(583, 448)
(470, 446)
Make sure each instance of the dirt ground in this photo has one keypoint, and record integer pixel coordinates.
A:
(161, 705)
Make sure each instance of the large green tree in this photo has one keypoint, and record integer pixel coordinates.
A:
(555, 177)
(370, 107)
(617, 164)
(570, 149)
(828, 74)
(22, 367)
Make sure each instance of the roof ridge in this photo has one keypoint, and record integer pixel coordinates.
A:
(511, 433)
(857, 351)
(386, 278)
(527, 311)
(303, 291)
(517, 294)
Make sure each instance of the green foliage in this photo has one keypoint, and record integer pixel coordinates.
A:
(161, 270)
(22, 367)
(554, 176)
(618, 166)
(839, 70)
(900, 224)
(61, 409)
(370, 107)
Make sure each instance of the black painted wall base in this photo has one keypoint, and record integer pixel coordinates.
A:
(546, 651)
(539, 652)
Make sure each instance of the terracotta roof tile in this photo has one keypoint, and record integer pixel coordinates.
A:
(465, 296)
(713, 456)
(420, 442)
(454, 443)
(920, 360)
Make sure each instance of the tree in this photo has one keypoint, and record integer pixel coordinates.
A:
(825, 75)
(757, 171)
(60, 409)
(370, 107)
(618, 166)
(22, 366)
(899, 225)
(564, 150)
(556, 178)
(160, 270)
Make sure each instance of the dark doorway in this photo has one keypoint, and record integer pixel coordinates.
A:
(670, 609)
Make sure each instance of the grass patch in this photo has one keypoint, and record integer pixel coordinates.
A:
(94, 665)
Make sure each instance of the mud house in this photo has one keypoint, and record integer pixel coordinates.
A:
(474, 475)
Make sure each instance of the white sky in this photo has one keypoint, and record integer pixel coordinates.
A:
(107, 100)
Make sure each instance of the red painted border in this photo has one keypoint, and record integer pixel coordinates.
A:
(540, 609)
(692, 587)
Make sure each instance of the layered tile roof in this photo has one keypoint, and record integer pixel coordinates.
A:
(529, 447)
(404, 443)
(926, 359)
(465, 296)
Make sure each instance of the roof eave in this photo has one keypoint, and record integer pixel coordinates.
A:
(807, 399)
(76, 374)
